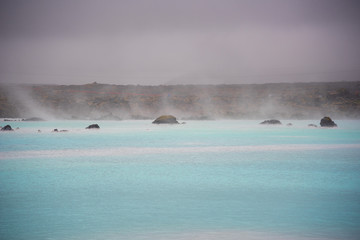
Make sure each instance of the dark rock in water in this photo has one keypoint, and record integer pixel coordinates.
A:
(57, 130)
(93, 126)
(34, 119)
(168, 119)
(289, 124)
(312, 125)
(271, 121)
(327, 122)
(7, 128)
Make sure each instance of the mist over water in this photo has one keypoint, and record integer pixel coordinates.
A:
(202, 102)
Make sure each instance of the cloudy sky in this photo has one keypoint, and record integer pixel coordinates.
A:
(179, 41)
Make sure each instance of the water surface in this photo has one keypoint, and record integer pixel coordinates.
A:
(200, 180)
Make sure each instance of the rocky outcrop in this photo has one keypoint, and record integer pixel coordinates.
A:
(7, 128)
(271, 122)
(312, 125)
(167, 119)
(327, 122)
(93, 126)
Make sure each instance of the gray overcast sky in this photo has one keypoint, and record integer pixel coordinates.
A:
(179, 41)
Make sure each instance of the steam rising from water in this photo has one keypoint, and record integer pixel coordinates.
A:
(116, 102)
(24, 105)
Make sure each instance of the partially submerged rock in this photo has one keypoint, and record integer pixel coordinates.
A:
(167, 119)
(7, 128)
(271, 122)
(33, 119)
(327, 122)
(57, 130)
(93, 126)
(312, 125)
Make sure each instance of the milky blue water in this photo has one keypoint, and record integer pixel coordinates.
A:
(200, 180)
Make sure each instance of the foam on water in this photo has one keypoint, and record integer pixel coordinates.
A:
(178, 150)
(200, 235)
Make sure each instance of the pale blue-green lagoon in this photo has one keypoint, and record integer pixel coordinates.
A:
(199, 180)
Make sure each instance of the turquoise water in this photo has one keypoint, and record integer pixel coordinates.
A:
(200, 180)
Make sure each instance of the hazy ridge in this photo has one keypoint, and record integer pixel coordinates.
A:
(246, 101)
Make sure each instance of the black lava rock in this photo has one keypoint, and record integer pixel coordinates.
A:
(327, 122)
(271, 122)
(93, 126)
(7, 128)
(168, 119)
